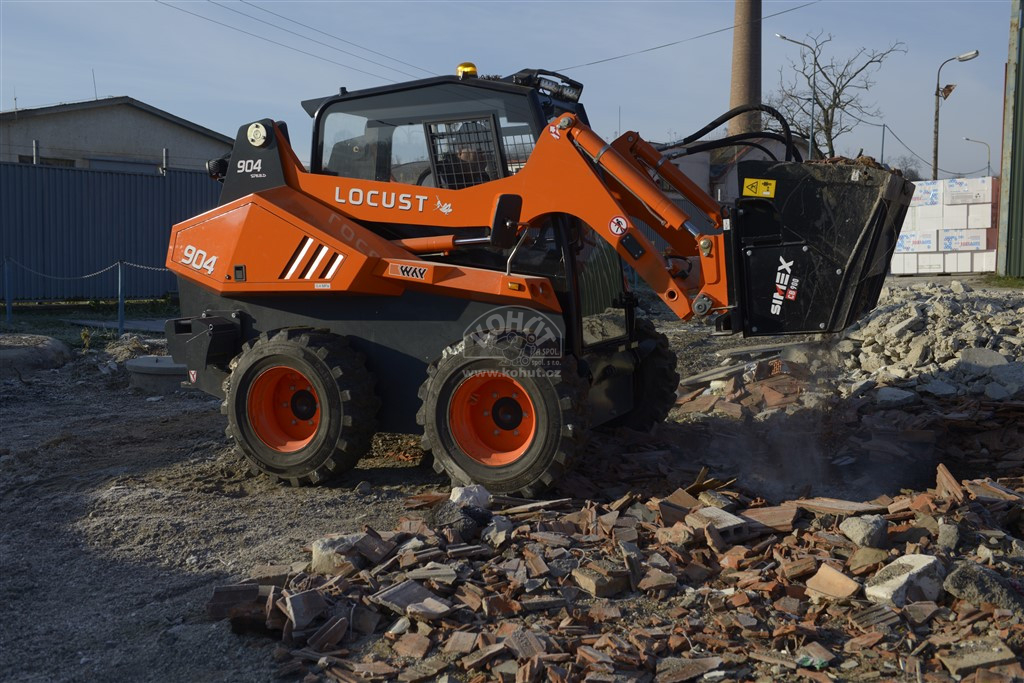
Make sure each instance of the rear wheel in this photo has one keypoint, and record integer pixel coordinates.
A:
(655, 380)
(300, 405)
(511, 430)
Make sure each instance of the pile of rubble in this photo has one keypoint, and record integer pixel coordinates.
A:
(703, 584)
(934, 374)
(925, 340)
(941, 341)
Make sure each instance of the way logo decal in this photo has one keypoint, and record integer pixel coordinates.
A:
(409, 272)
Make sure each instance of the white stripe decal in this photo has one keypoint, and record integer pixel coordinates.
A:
(338, 258)
(321, 252)
(298, 259)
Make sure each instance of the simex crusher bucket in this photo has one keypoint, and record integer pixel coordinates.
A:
(811, 244)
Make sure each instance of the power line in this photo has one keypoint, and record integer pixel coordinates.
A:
(347, 42)
(289, 47)
(906, 147)
(956, 173)
(685, 40)
(318, 42)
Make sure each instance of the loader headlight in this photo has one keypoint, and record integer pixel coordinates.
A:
(560, 90)
(217, 168)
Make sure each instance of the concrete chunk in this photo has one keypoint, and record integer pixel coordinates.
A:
(908, 579)
(891, 397)
(977, 585)
(971, 655)
(869, 531)
(938, 388)
(1011, 376)
(336, 556)
(475, 495)
(980, 361)
(677, 534)
(731, 527)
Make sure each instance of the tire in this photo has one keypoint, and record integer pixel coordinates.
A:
(300, 405)
(655, 380)
(540, 421)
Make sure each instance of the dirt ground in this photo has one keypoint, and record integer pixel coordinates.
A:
(121, 512)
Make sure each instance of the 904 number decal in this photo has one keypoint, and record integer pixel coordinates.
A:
(249, 166)
(198, 259)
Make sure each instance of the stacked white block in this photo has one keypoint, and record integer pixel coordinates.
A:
(948, 228)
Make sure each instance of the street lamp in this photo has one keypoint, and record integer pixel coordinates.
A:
(967, 56)
(814, 89)
(988, 164)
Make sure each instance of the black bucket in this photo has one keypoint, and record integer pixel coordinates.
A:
(812, 244)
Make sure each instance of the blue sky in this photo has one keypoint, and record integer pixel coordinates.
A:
(221, 78)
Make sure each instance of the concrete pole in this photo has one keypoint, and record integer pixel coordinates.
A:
(746, 65)
(935, 136)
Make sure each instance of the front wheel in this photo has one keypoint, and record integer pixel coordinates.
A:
(511, 429)
(300, 405)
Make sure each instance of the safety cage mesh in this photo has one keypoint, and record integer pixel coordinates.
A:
(464, 151)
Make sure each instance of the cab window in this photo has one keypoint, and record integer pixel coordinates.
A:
(414, 136)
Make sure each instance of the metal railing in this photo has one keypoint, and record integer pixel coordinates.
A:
(120, 265)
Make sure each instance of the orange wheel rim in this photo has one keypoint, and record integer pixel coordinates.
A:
(492, 419)
(284, 409)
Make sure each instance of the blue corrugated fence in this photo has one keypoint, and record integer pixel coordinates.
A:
(61, 230)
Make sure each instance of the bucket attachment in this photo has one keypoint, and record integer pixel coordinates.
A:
(812, 244)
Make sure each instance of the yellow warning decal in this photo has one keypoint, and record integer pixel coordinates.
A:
(756, 187)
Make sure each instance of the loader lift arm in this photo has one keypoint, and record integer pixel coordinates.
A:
(626, 164)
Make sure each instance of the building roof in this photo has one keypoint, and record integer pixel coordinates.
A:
(15, 114)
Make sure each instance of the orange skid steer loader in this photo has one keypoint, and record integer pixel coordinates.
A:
(452, 263)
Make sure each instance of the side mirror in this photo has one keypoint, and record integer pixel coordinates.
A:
(505, 221)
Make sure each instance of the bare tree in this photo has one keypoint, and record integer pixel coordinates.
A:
(837, 86)
(909, 165)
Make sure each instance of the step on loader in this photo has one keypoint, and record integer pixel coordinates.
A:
(454, 260)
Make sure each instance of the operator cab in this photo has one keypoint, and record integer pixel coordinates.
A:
(450, 132)
(455, 132)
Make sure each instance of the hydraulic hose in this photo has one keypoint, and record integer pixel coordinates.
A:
(739, 139)
(786, 137)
